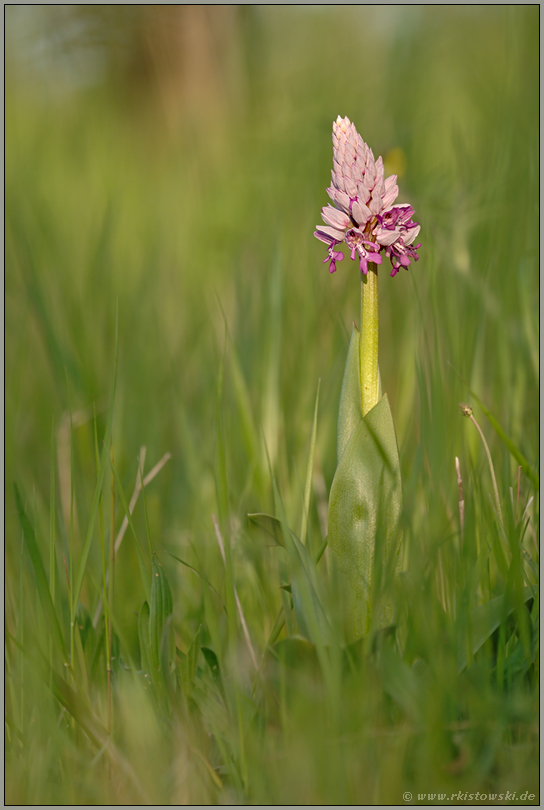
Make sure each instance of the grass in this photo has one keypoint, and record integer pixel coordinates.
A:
(200, 239)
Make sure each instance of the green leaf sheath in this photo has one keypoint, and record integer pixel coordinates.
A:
(365, 500)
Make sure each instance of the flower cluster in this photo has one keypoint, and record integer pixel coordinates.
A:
(363, 215)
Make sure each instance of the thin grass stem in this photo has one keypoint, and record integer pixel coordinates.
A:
(147, 529)
(467, 411)
(139, 485)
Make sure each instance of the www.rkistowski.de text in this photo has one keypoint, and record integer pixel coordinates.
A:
(461, 796)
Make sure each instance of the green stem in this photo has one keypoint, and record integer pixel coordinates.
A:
(368, 357)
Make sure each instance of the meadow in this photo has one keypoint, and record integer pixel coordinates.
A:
(166, 304)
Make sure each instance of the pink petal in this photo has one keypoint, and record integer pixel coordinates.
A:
(340, 198)
(361, 213)
(350, 186)
(337, 219)
(329, 233)
(356, 173)
(379, 188)
(363, 194)
(350, 153)
(338, 182)
(386, 237)
(390, 196)
(390, 182)
(375, 204)
(409, 237)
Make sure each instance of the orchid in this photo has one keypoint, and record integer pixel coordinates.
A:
(363, 215)
(366, 494)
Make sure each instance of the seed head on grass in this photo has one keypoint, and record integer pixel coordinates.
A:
(466, 410)
(363, 215)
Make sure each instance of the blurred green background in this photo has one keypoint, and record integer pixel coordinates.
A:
(173, 161)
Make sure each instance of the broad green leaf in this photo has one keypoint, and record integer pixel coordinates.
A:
(364, 509)
(485, 619)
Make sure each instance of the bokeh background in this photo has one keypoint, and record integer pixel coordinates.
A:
(172, 161)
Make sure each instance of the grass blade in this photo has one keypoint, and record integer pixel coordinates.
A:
(505, 438)
(199, 575)
(309, 473)
(485, 619)
(39, 573)
(143, 568)
(101, 473)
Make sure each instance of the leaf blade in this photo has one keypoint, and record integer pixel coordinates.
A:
(39, 572)
(364, 510)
